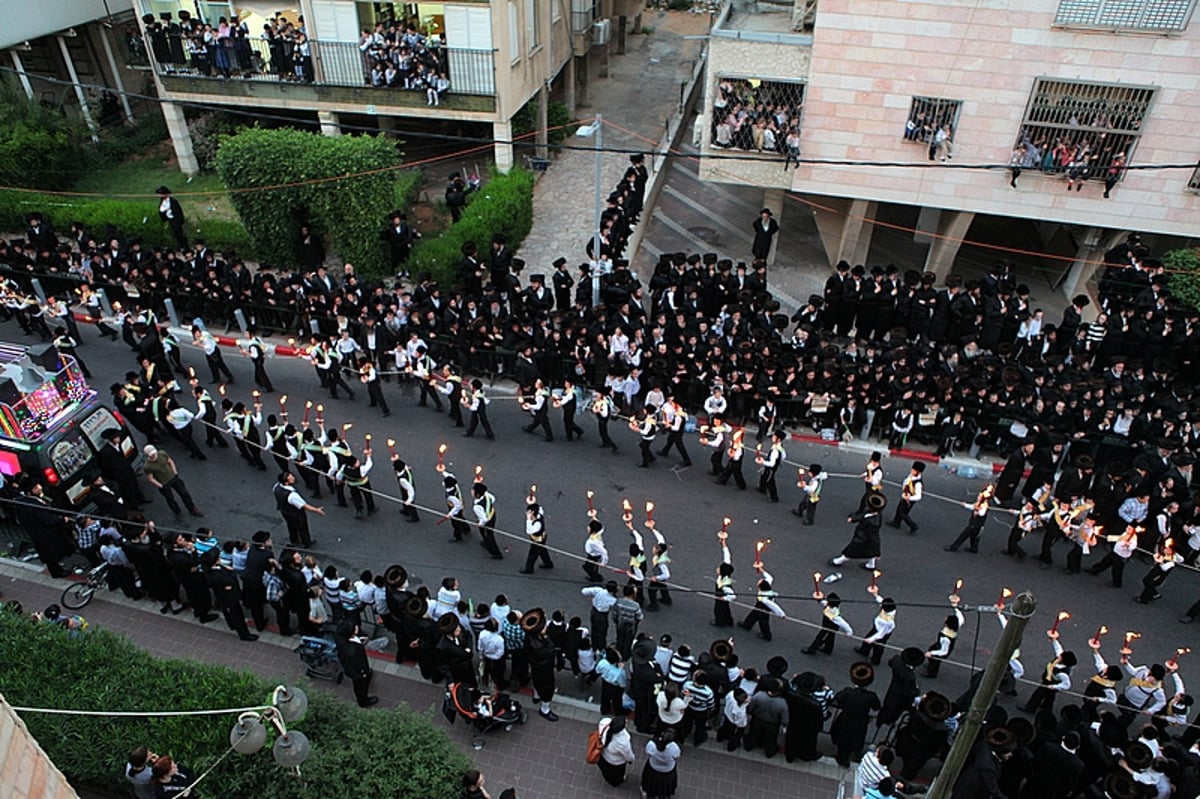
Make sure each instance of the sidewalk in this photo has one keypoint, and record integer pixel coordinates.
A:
(541, 760)
(640, 93)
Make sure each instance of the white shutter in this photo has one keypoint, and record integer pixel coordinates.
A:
(334, 21)
(469, 40)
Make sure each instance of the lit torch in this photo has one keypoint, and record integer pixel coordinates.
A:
(283, 406)
(1130, 637)
(817, 586)
(1094, 643)
(221, 390)
(441, 464)
(478, 474)
(954, 597)
(320, 416)
(191, 373)
(873, 588)
(391, 444)
(649, 512)
(759, 546)
(307, 409)
(257, 397)
(591, 506)
(367, 442)
(725, 524)
(1004, 594)
(1173, 662)
(1062, 616)
(626, 511)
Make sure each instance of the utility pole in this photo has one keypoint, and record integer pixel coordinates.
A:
(1022, 610)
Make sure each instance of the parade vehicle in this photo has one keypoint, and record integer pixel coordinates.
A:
(52, 423)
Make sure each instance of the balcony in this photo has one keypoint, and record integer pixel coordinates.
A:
(330, 72)
(754, 21)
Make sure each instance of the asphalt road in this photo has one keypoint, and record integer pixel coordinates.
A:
(689, 507)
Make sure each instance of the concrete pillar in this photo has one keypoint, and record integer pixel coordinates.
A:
(1093, 243)
(622, 32)
(79, 95)
(845, 228)
(330, 126)
(181, 138)
(20, 68)
(542, 136)
(952, 228)
(387, 125)
(584, 75)
(569, 87)
(773, 199)
(104, 34)
(502, 134)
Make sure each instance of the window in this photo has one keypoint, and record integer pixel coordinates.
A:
(1093, 122)
(757, 116)
(514, 32)
(533, 23)
(1194, 183)
(1138, 15)
(927, 115)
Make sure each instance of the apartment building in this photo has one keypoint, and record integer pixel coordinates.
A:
(938, 89)
(495, 55)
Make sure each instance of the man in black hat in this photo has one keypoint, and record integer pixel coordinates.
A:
(855, 705)
(399, 236)
(831, 623)
(171, 212)
(294, 510)
(562, 282)
(911, 492)
(765, 228)
(456, 196)
(352, 656)
(117, 470)
(902, 689)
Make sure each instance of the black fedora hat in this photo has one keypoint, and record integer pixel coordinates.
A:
(862, 674)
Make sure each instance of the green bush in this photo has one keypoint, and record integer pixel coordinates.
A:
(207, 129)
(347, 211)
(408, 187)
(1183, 268)
(504, 204)
(392, 753)
(39, 147)
(130, 217)
(120, 143)
(525, 121)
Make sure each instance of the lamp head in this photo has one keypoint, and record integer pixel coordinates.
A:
(248, 735)
(292, 703)
(291, 750)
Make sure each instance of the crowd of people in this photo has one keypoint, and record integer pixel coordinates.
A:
(967, 366)
(758, 116)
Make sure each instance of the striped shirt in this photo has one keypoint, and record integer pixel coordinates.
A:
(700, 697)
(679, 668)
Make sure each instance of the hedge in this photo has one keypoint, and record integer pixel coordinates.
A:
(355, 753)
(1183, 273)
(300, 179)
(130, 217)
(504, 204)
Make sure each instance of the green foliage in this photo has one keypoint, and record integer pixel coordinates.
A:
(408, 187)
(525, 121)
(502, 205)
(39, 147)
(130, 217)
(120, 143)
(1183, 268)
(348, 212)
(680, 5)
(392, 753)
(207, 129)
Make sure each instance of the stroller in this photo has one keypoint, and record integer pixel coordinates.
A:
(320, 658)
(463, 700)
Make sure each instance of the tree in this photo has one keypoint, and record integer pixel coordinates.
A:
(39, 148)
(1183, 269)
(342, 186)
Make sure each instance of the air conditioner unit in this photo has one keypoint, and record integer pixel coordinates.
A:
(601, 32)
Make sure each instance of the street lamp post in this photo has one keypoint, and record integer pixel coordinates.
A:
(596, 130)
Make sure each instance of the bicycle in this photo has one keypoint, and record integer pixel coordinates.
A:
(78, 595)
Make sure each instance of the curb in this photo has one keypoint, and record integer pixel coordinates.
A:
(951, 464)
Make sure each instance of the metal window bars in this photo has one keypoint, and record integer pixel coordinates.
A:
(1145, 15)
(926, 115)
(753, 114)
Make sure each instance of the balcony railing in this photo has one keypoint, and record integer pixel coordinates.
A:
(326, 63)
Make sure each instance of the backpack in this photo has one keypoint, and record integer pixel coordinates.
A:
(595, 745)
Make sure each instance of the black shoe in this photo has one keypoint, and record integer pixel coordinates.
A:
(1141, 601)
(207, 617)
(371, 700)
(950, 548)
(809, 651)
(1186, 620)
(894, 525)
(526, 571)
(250, 637)
(549, 715)
(545, 565)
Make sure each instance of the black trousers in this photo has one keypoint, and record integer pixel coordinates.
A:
(360, 493)
(235, 617)
(538, 552)
(487, 532)
(599, 623)
(1116, 563)
(903, 509)
(1014, 542)
(542, 421)
(602, 429)
(970, 532)
(428, 391)
(362, 687)
(333, 379)
(675, 439)
(591, 567)
(216, 365)
(570, 428)
(722, 613)
(766, 484)
(733, 469)
(260, 375)
(646, 445)
(375, 393)
(297, 526)
(762, 617)
(479, 419)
